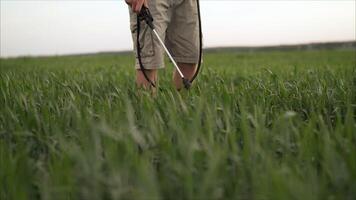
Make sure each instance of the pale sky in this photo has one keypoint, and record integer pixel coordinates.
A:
(50, 27)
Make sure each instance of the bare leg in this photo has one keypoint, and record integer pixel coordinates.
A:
(141, 81)
(188, 71)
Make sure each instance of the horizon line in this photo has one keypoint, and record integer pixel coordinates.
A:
(205, 48)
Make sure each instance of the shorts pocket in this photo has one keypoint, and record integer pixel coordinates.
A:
(146, 40)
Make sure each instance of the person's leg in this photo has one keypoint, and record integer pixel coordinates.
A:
(141, 80)
(183, 39)
(152, 54)
(188, 71)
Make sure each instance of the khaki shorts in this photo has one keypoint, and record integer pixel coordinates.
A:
(176, 21)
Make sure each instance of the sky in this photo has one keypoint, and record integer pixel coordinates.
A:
(56, 27)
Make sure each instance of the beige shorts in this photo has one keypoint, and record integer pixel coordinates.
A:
(176, 21)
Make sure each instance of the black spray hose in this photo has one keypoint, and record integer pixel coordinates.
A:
(138, 50)
(200, 44)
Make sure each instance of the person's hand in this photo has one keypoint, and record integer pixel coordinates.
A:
(136, 5)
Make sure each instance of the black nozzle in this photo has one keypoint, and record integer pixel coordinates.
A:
(145, 15)
(186, 83)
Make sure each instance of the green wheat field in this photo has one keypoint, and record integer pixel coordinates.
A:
(256, 125)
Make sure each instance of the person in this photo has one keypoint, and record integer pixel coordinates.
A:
(176, 22)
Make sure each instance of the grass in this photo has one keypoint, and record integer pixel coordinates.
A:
(266, 125)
